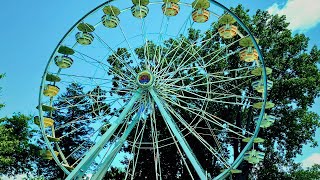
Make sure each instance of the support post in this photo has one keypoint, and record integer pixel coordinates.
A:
(103, 167)
(174, 128)
(85, 163)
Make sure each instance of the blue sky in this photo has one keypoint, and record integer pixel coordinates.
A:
(31, 30)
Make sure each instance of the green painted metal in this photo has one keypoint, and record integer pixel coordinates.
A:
(182, 141)
(248, 146)
(85, 163)
(239, 159)
(102, 170)
(43, 80)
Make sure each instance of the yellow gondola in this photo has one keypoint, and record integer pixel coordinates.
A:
(47, 121)
(46, 154)
(170, 7)
(258, 71)
(227, 30)
(200, 13)
(51, 90)
(258, 105)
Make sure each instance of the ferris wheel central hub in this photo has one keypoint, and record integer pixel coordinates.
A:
(145, 79)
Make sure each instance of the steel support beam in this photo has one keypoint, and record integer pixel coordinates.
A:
(85, 163)
(182, 141)
(104, 166)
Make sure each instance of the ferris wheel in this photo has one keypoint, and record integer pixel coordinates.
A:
(184, 75)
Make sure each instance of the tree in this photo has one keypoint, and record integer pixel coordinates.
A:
(312, 173)
(76, 110)
(18, 154)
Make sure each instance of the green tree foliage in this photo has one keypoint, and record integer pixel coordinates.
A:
(18, 154)
(76, 110)
(311, 173)
(295, 77)
(114, 174)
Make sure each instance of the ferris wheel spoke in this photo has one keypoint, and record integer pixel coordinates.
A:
(217, 52)
(136, 136)
(146, 44)
(184, 66)
(173, 126)
(90, 60)
(101, 40)
(221, 73)
(138, 139)
(65, 100)
(216, 95)
(121, 79)
(160, 39)
(179, 151)
(182, 29)
(197, 135)
(204, 74)
(194, 53)
(155, 143)
(184, 63)
(88, 159)
(173, 58)
(97, 131)
(130, 48)
(224, 80)
(207, 116)
(205, 99)
(216, 141)
(106, 85)
(114, 71)
(107, 106)
(237, 88)
(104, 166)
(67, 104)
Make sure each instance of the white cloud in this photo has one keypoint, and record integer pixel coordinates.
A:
(302, 14)
(311, 160)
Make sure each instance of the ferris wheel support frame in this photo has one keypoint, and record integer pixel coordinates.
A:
(182, 141)
(104, 167)
(238, 160)
(85, 163)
